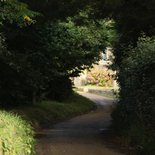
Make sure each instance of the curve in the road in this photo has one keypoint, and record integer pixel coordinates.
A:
(81, 135)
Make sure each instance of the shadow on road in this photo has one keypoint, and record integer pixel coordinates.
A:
(83, 135)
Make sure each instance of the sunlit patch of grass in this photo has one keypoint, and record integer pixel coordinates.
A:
(16, 135)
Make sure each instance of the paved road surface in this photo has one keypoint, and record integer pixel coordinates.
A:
(82, 135)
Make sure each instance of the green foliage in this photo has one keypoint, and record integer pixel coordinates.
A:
(74, 44)
(63, 49)
(48, 112)
(16, 15)
(13, 11)
(10, 79)
(73, 47)
(54, 10)
(135, 114)
(16, 136)
(132, 18)
(59, 88)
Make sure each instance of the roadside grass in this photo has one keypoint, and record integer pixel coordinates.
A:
(16, 135)
(46, 113)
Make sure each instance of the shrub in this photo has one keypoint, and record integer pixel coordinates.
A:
(103, 78)
(59, 88)
(134, 116)
(16, 135)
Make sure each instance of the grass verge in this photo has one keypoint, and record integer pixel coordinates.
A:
(46, 113)
(16, 135)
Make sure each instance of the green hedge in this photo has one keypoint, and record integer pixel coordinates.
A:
(16, 135)
(134, 117)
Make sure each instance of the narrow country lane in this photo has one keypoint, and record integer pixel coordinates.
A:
(82, 135)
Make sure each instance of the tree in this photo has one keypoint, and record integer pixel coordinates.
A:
(14, 13)
(72, 46)
(135, 114)
(134, 60)
(132, 17)
(63, 47)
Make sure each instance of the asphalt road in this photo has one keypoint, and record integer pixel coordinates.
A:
(82, 135)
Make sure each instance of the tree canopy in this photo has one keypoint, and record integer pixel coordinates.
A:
(45, 46)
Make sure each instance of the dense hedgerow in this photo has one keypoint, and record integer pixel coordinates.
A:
(16, 135)
(134, 116)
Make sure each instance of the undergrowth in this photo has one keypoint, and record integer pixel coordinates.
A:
(45, 113)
